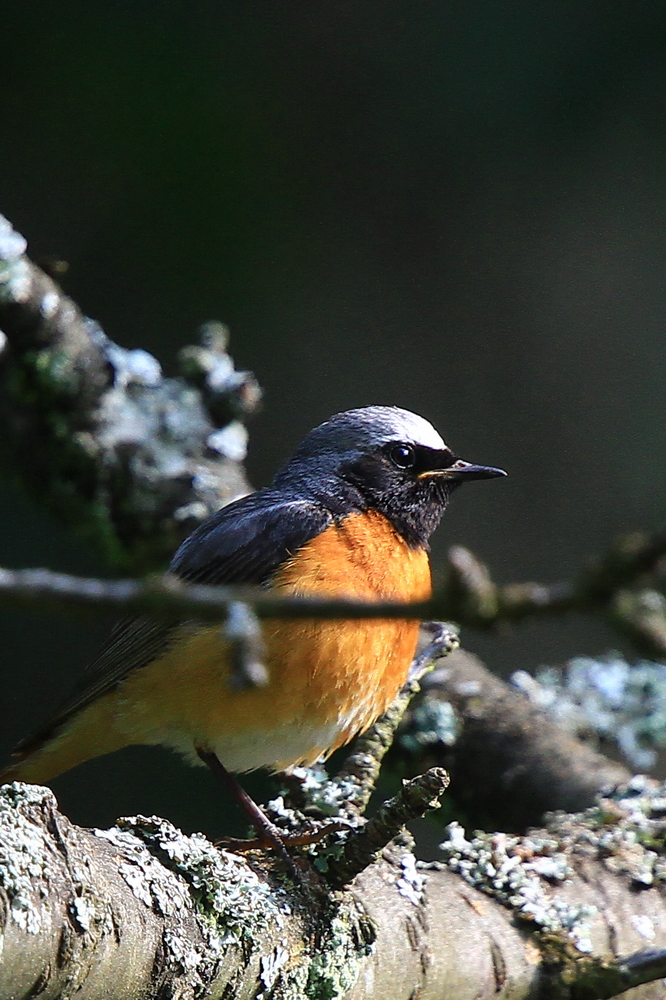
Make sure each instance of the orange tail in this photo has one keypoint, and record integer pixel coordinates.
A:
(84, 736)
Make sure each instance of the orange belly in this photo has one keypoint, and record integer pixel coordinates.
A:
(328, 680)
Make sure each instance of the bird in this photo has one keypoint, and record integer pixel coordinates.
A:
(349, 515)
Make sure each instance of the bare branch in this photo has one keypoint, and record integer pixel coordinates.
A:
(464, 597)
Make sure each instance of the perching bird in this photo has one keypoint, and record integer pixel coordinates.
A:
(349, 515)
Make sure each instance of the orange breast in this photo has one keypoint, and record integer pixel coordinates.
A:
(328, 680)
(351, 670)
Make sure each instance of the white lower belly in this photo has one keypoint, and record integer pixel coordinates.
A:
(275, 750)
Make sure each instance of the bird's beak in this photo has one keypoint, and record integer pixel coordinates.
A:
(463, 471)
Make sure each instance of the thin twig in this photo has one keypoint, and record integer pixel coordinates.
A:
(593, 978)
(243, 630)
(642, 967)
(467, 595)
(167, 597)
(416, 797)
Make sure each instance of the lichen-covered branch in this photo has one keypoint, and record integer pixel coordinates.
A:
(576, 910)
(363, 847)
(132, 460)
(509, 763)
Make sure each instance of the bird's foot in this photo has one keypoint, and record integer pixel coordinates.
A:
(268, 834)
(285, 840)
(276, 840)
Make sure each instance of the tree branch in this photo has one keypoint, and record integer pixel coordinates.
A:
(355, 782)
(464, 597)
(575, 910)
(362, 848)
(132, 460)
(509, 762)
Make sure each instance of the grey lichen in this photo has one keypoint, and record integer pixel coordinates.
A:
(625, 833)
(432, 722)
(135, 460)
(12, 244)
(234, 905)
(271, 966)
(24, 848)
(167, 894)
(412, 881)
(323, 794)
(227, 393)
(626, 830)
(238, 909)
(335, 966)
(14, 272)
(605, 698)
(519, 872)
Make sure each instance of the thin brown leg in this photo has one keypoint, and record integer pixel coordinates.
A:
(267, 832)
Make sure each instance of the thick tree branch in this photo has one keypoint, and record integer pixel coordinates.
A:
(132, 460)
(509, 763)
(576, 910)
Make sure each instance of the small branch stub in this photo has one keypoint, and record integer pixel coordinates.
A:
(417, 797)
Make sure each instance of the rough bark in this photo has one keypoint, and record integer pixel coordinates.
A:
(509, 763)
(129, 458)
(142, 911)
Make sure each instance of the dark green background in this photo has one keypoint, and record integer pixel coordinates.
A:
(455, 207)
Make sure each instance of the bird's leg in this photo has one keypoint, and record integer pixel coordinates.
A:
(268, 834)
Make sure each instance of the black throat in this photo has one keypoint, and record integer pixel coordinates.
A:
(413, 507)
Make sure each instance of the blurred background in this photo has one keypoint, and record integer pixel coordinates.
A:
(455, 207)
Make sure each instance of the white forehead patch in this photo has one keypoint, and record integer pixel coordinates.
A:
(366, 429)
(370, 426)
(408, 426)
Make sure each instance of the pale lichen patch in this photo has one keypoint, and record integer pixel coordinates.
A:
(519, 872)
(233, 904)
(24, 846)
(411, 882)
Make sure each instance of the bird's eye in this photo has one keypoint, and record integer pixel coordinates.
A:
(403, 455)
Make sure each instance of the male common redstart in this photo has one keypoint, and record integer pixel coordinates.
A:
(349, 515)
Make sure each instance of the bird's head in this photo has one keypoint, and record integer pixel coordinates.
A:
(382, 458)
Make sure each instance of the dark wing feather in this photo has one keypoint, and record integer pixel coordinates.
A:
(243, 543)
